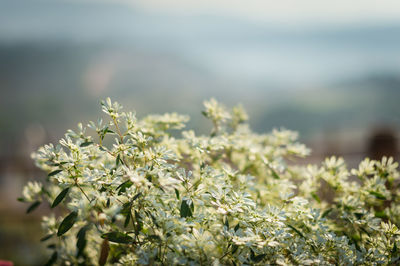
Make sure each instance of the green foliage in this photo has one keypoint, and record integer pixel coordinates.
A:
(131, 193)
(67, 223)
(60, 197)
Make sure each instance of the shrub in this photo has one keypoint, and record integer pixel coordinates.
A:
(229, 198)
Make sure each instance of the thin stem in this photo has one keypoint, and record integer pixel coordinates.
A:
(118, 130)
(83, 191)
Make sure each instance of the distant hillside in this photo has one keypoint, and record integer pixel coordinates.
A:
(55, 85)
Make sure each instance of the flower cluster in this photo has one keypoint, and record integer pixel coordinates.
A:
(141, 191)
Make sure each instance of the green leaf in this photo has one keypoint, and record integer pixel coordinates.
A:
(87, 143)
(20, 199)
(127, 220)
(325, 213)
(67, 223)
(359, 215)
(154, 238)
(257, 258)
(136, 196)
(297, 231)
(117, 161)
(153, 219)
(274, 174)
(109, 131)
(381, 214)
(377, 195)
(117, 237)
(316, 197)
(52, 259)
(122, 188)
(33, 206)
(365, 231)
(139, 223)
(126, 208)
(60, 197)
(46, 238)
(54, 172)
(81, 242)
(237, 227)
(102, 148)
(226, 223)
(186, 209)
(196, 184)
(234, 248)
(126, 211)
(394, 249)
(177, 193)
(51, 246)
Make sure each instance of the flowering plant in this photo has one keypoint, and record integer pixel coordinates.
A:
(232, 198)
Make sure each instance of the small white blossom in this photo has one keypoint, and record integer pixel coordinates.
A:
(31, 191)
(132, 194)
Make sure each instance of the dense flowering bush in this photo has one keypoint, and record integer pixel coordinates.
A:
(229, 198)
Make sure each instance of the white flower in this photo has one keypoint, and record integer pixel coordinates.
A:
(31, 191)
(232, 197)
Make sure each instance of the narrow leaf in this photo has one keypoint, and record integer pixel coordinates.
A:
(60, 197)
(126, 211)
(67, 223)
(154, 238)
(54, 172)
(297, 231)
(139, 223)
(33, 206)
(51, 246)
(381, 214)
(122, 188)
(46, 238)
(153, 219)
(227, 223)
(316, 197)
(117, 237)
(87, 143)
(394, 249)
(81, 242)
(136, 196)
(325, 213)
(237, 227)
(108, 203)
(377, 195)
(185, 209)
(177, 193)
(274, 174)
(52, 259)
(234, 248)
(126, 208)
(127, 220)
(258, 258)
(117, 160)
(365, 231)
(359, 215)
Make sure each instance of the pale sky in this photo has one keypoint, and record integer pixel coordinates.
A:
(282, 11)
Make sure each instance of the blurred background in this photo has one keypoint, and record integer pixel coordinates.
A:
(329, 70)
